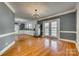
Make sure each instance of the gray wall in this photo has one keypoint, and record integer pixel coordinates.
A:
(5, 41)
(70, 36)
(68, 23)
(6, 25)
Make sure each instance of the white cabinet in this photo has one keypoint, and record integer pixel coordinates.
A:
(28, 32)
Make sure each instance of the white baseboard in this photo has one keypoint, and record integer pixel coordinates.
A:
(77, 47)
(71, 42)
(68, 40)
(6, 48)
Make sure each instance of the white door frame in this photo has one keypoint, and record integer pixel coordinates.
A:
(58, 28)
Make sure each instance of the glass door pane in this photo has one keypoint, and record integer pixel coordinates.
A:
(46, 29)
(54, 28)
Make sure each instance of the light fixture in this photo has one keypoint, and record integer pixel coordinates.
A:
(36, 14)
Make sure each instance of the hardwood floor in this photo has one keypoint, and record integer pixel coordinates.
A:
(41, 46)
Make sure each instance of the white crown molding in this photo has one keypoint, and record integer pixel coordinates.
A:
(9, 6)
(59, 14)
(6, 48)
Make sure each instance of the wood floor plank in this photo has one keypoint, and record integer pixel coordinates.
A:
(41, 46)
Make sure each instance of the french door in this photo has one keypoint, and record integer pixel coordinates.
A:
(54, 28)
(51, 28)
(46, 29)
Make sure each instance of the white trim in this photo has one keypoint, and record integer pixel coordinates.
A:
(68, 40)
(6, 48)
(9, 6)
(59, 14)
(77, 26)
(59, 28)
(68, 31)
(3, 35)
(77, 47)
(71, 42)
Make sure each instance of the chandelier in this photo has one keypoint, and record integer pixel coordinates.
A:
(36, 14)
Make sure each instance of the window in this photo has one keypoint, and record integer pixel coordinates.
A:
(29, 26)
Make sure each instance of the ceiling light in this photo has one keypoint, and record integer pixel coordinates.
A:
(36, 14)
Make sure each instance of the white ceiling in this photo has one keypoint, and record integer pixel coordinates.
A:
(26, 9)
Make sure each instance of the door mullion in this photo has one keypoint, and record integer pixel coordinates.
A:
(49, 28)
